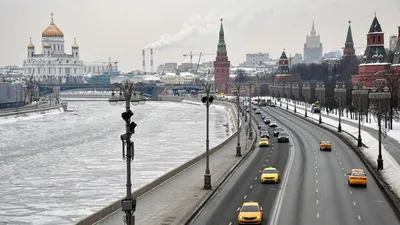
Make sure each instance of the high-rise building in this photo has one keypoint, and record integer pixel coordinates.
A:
(392, 42)
(221, 65)
(313, 47)
(256, 59)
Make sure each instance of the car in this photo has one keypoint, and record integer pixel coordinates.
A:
(277, 130)
(267, 120)
(259, 125)
(250, 212)
(264, 134)
(264, 142)
(273, 124)
(254, 108)
(283, 137)
(247, 110)
(258, 112)
(325, 146)
(263, 116)
(272, 105)
(357, 177)
(270, 175)
(263, 128)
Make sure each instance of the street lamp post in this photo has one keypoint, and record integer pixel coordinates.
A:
(296, 94)
(207, 101)
(250, 130)
(380, 96)
(127, 94)
(237, 87)
(306, 91)
(320, 89)
(281, 92)
(359, 98)
(287, 89)
(340, 91)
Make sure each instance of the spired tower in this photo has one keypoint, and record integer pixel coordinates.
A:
(221, 65)
(375, 58)
(283, 73)
(349, 58)
(348, 49)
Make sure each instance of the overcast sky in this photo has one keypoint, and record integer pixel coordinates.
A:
(122, 28)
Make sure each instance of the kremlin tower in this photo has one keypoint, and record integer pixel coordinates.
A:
(283, 73)
(375, 58)
(396, 58)
(349, 58)
(348, 49)
(221, 65)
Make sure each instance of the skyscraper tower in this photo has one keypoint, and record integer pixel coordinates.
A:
(221, 65)
(313, 47)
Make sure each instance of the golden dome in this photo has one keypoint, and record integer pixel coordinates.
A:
(52, 30)
(31, 46)
(75, 46)
(47, 45)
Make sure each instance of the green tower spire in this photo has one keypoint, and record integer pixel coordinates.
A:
(221, 42)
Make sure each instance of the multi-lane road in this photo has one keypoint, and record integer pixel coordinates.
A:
(313, 190)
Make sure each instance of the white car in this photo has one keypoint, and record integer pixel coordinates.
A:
(273, 124)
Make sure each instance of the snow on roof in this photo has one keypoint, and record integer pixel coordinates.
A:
(378, 64)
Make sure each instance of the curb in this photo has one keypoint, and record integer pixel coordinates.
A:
(389, 194)
(116, 205)
(203, 203)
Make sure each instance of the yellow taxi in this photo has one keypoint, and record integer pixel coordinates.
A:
(325, 146)
(264, 142)
(357, 177)
(270, 175)
(250, 213)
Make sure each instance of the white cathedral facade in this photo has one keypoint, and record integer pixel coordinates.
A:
(52, 63)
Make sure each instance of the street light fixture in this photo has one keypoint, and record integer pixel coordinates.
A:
(250, 85)
(306, 91)
(360, 97)
(340, 98)
(320, 89)
(296, 94)
(237, 87)
(207, 101)
(380, 96)
(128, 94)
(287, 91)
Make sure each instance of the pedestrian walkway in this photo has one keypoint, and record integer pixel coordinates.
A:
(391, 145)
(174, 201)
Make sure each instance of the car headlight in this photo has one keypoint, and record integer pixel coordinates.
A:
(258, 217)
(240, 217)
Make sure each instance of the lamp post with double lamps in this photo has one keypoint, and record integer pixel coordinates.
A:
(380, 99)
(281, 93)
(306, 92)
(128, 93)
(207, 101)
(250, 85)
(236, 88)
(320, 89)
(287, 89)
(296, 94)
(340, 98)
(359, 99)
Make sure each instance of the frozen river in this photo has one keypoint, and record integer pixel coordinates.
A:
(58, 169)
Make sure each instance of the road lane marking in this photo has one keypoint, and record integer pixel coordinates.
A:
(340, 162)
(255, 178)
(260, 171)
(251, 186)
(317, 201)
(266, 160)
(316, 167)
(359, 217)
(336, 153)
(342, 168)
(263, 164)
(316, 162)
(316, 191)
(316, 174)
(351, 192)
(354, 203)
(316, 181)
(338, 157)
(245, 196)
(230, 223)
(317, 215)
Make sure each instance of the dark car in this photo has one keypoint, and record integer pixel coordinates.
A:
(277, 131)
(272, 105)
(264, 134)
(283, 137)
(263, 116)
(258, 112)
(267, 120)
(254, 108)
(259, 125)
(263, 128)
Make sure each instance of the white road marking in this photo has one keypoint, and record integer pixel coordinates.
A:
(255, 178)
(266, 160)
(317, 215)
(316, 167)
(351, 192)
(316, 181)
(354, 203)
(338, 157)
(251, 186)
(316, 174)
(316, 162)
(245, 196)
(359, 217)
(263, 164)
(316, 191)
(340, 162)
(260, 171)
(342, 168)
(336, 153)
(317, 201)
(344, 174)
(230, 223)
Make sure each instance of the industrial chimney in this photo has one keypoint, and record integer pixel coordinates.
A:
(144, 60)
(151, 60)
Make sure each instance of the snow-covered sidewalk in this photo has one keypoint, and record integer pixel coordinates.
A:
(391, 169)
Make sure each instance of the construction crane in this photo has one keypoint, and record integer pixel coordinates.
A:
(190, 54)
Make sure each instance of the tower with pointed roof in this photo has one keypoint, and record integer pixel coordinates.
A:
(349, 59)
(313, 47)
(221, 65)
(283, 73)
(375, 58)
(348, 49)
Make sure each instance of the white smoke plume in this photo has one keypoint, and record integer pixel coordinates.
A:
(197, 26)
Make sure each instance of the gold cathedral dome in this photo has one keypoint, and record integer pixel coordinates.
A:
(75, 46)
(46, 45)
(31, 46)
(52, 30)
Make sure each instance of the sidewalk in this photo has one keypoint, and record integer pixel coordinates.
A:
(178, 198)
(390, 144)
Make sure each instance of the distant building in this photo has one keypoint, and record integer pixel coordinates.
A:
(185, 67)
(349, 57)
(333, 55)
(180, 78)
(313, 47)
(170, 67)
(392, 43)
(256, 59)
(296, 59)
(222, 65)
(53, 63)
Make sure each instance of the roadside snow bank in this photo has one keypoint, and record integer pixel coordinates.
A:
(30, 115)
